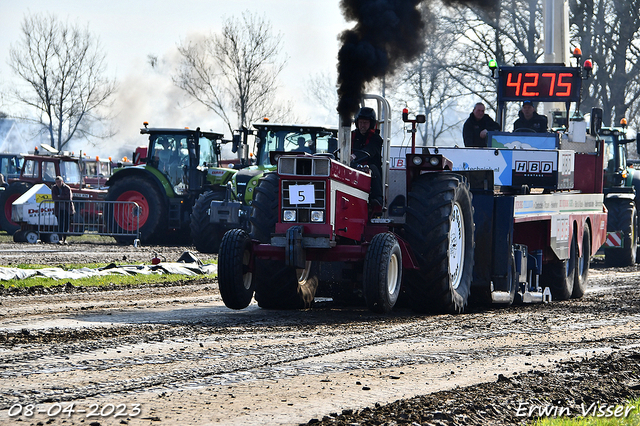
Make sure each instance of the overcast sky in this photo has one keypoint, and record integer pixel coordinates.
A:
(131, 30)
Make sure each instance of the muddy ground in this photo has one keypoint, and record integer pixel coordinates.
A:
(174, 354)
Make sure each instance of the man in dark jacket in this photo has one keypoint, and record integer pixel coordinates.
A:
(474, 131)
(64, 209)
(366, 149)
(530, 120)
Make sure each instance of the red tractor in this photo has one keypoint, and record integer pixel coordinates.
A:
(445, 230)
(38, 168)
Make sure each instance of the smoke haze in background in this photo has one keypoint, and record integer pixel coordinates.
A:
(387, 34)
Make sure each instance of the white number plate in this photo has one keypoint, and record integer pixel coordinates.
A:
(302, 194)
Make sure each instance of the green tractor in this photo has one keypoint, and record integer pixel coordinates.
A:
(270, 140)
(181, 166)
(622, 192)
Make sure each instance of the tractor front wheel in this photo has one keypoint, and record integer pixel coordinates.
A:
(382, 276)
(235, 278)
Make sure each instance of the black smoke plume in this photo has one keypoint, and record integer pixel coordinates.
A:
(387, 33)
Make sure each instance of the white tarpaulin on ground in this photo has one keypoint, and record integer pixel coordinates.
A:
(191, 269)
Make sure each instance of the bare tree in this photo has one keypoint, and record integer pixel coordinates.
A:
(608, 32)
(235, 71)
(321, 87)
(63, 67)
(428, 84)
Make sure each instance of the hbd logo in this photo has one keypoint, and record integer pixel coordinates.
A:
(534, 167)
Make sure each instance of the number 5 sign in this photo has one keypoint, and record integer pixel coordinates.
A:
(301, 194)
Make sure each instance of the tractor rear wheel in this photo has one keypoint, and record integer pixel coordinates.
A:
(582, 265)
(278, 286)
(7, 197)
(235, 279)
(264, 212)
(206, 236)
(622, 216)
(283, 287)
(150, 214)
(382, 276)
(440, 232)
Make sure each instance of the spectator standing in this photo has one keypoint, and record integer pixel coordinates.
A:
(63, 207)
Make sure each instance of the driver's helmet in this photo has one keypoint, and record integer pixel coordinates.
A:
(366, 113)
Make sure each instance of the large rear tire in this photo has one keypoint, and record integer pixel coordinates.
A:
(7, 197)
(382, 276)
(278, 286)
(582, 265)
(622, 216)
(283, 287)
(440, 232)
(264, 213)
(151, 211)
(206, 236)
(235, 279)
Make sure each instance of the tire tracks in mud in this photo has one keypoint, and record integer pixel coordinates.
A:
(275, 345)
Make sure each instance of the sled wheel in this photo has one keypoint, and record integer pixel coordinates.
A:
(382, 273)
(235, 277)
(559, 275)
(582, 266)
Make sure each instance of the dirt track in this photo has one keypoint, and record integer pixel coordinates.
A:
(186, 359)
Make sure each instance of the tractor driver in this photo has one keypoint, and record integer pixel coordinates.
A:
(366, 149)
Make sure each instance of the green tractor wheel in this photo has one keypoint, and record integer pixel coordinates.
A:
(206, 236)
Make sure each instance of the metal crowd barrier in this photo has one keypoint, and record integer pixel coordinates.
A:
(118, 219)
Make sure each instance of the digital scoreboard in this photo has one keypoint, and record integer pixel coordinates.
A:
(539, 83)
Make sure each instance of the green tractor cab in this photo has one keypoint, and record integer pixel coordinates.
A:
(181, 165)
(270, 140)
(622, 192)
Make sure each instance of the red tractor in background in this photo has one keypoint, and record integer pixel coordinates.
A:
(43, 168)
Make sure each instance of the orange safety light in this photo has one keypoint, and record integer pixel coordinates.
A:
(577, 52)
(623, 122)
(97, 158)
(588, 64)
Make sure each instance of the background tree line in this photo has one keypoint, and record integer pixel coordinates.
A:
(452, 74)
(234, 72)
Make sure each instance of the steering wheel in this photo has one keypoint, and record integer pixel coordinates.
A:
(361, 157)
(525, 129)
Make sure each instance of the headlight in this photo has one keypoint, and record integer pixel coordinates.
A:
(434, 161)
(317, 216)
(417, 160)
(289, 216)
